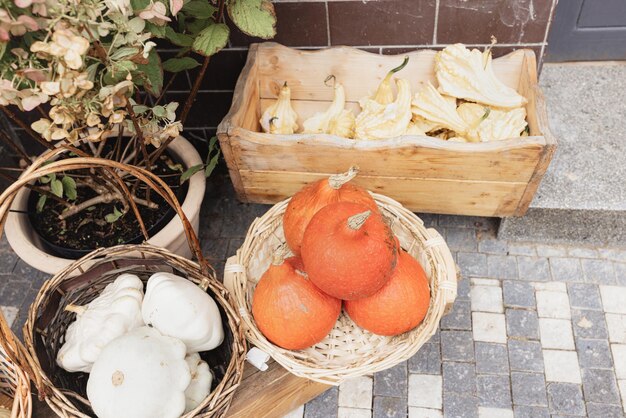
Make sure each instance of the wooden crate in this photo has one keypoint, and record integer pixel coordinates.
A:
(425, 174)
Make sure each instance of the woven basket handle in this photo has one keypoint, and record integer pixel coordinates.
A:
(449, 283)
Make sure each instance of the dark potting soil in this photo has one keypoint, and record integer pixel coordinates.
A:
(88, 230)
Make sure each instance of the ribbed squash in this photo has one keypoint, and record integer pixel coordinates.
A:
(289, 310)
(313, 197)
(399, 306)
(348, 250)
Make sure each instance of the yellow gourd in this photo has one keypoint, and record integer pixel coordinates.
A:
(379, 121)
(336, 120)
(280, 118)
(384, 94)
(432, 106)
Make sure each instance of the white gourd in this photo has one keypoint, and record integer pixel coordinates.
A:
(378, 121)
(179, 308)
(432, 106)
(280, 118)
(4, 412)
(487, 124)
(141, 374)
(201, 379)
(336, 120)
(114, 312)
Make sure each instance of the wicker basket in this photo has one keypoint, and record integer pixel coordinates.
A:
(348, 350)
(82, 281)
(14, 385)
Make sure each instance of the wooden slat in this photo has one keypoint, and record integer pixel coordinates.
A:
(359, 71)
(420, 195)
(509, 160)
(272, 393)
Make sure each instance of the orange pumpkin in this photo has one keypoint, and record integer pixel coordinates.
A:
(348, 250)
(399, 306)
(289, 310)
(310, 199)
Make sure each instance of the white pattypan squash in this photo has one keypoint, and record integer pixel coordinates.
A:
(432, 106)
(280, 118)
(336, 120)
(378, 121)
(141, 374)
(114, 312)
(488, 124)
(384, 93)
(201, 379)
(414, 129)
(179, 308)
(469, 75)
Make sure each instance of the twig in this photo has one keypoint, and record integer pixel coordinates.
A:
(103, 198)
(38, 189)
(140, 138)
(27, 128)
(14, 146)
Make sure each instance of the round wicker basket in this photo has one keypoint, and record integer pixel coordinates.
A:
(82, 281)
(348, 350)
(14, 384)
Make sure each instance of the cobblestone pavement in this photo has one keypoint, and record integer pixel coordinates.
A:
(537, 330)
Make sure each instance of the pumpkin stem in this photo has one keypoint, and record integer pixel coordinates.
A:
(279, 255)
(356, 222)
(338, 180)
(78, 310)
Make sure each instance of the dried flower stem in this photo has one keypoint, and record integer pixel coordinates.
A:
(103, 198)
(27, 128)
(37, 189)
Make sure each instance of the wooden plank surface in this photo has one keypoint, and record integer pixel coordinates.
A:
(419, 195)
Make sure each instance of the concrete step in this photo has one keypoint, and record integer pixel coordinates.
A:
(582, 197)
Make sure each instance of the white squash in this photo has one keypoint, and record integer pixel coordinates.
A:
(178, 308)
(4, 412)
(141, 374)
(201, 379)
(115, 312)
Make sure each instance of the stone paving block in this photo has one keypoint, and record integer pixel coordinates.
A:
(566, 269)
(238, 217)
(494, 391)
(584, 296)
(533, 268)
(14, 290)
(356, 392)
(479, 281)
(620, 273)
(551, 250)
(502, 267)
(298, 413)
(582, 252)
(491, 358)
(589, 324)
(459, 377)
(459, 318)
(460, 405)
(520, 248)
(8, 259)
(594, 354)
(598, 271)
(489, 327)
(233, 245)
(528, 389)
(525, 356)
(522, 411)
(484, 412)
(324, 406)
(392, 382)
(550, 286)
(613, 298)
(486, 299)
(385, 407)
(344, 412)
(619, 360)
(595, 410)
(425, 391)
(600, 386)
(475, 222)
(565, 398)
(424, 413)
(621, 384)
(615, 254)
(556, 333)
(472, 264)
(457, 346)
(427, 360)
(461, 239)
(463, 289)
(10, 313)
(553, 305)
(616, 325)
(522, 324)
(518, 294)
(493, 246)
(561, 366)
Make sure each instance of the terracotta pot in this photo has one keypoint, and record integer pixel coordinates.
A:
(27, 245)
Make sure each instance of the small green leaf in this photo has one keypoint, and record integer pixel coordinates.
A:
(56, 187)
(139, 4)
(47, 179)
(112, 217)
(3, 48)
(178, 39)
(254, 17)
(211, 39)
(151, 74)
(197, 25)
(124, 53)
(190, 172)
(119, 71)
(212, 163)
(175, 65)
(69, 187)
(199, 9)
(175, 167)
(159, 111)
(157, 31)
(139, 109)
(41, 202)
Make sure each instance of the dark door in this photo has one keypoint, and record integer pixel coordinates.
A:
(588, 30)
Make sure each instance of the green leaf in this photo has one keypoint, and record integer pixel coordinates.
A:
(175, 65)
(3, 48)
(124, 53)
(159, 111)
(119, 71)
(112, 217)
(41, 202)
(197, 25)
(211, 162)
(190, 172)
(139, 4)
(151, 74)
(69, 187)
(47, 179)
(92, 70)
(139, 109)
(178, 39)
(199, 9)
(211, 39)
(158, 31)
(254, 17)
(56, 187)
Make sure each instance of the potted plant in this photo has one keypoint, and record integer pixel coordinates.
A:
(91, 73)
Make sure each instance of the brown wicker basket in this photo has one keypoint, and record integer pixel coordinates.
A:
(14, 384)
(348, 350)
(82, 281)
